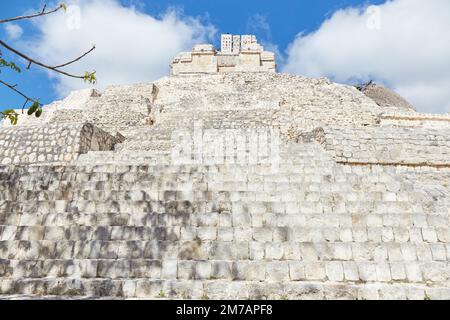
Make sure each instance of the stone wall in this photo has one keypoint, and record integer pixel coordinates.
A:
(297, 101)
(416, 120)
(204, 59)
(51, 144)
(389, 145)
(312, 230)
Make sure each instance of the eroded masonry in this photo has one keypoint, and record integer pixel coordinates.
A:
(227, 185)
(237, 54)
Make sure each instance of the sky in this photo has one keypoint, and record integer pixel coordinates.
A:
(403, 44)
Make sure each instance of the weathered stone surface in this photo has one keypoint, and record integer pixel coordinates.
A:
(322, 215)
(51, 144)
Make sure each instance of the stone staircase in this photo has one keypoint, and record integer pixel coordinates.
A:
(310, 229)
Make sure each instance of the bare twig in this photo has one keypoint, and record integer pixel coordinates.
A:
(13, 88)
(32, 61)
(76, 59)
(35, 108)
(24, 105)
(40, 14)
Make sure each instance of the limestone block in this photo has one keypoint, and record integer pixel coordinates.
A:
(308, 252)
(401, 235)
(296, 271)
(368, 293)
(415, 235)
(394, 252)
(367, 271)
(435, 272)
(9, 233)
(346, 235)
(291, 251)
(257, 250)
(274, 251)
(408, 252)
(145, 269)
(277, 271)
(148, 289)
(393, 293)
(413, 272)
(242, 250)
(383, 272)
(424, 252)
(188, 233)
(225, 234)
(282, 234)
(398, 271)
(362, 251)
(350, 271)
(207, 233)
(387, 234)
(342, 251)
(203, 270)
(249, 271)
(335, 271)
(243, 234)
(315, 271)
(262, 234)
(129, 288)
(429, 235)
(374, 234)
(221, 270)
(169, 269)
(223, 251)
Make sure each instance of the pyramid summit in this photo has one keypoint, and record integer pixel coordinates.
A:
(227, 185)
(237, 54)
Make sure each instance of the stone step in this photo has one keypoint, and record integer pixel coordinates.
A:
(237, 208)
(218, 289)
(194, 167)
(171, 215)
(264, 213)
(293, 226)
(180, 189)
(185, 190)
(238, 270)
(203, 246)
(296, 180)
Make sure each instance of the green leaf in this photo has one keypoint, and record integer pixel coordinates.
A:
(33, 108)
(9, 111)
(38, 113)
(11, 65)
(64, 6)
(11, 115)
(90, 77)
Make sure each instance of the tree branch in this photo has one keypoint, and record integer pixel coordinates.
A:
(76, 59)
(32, 61)
(40, 14)
(13, 88)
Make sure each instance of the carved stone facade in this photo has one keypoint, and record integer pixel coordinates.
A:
(238, 54)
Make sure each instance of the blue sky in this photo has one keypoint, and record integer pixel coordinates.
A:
(277, 23)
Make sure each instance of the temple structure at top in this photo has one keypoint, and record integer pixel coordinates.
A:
(237, 54)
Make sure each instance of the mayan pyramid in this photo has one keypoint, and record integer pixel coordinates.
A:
(227, 185)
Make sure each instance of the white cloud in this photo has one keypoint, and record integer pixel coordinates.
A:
(13, 31)
(131, 46)
(257, 24)
(401, 43)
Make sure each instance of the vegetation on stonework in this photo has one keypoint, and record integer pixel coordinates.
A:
(33, 104)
